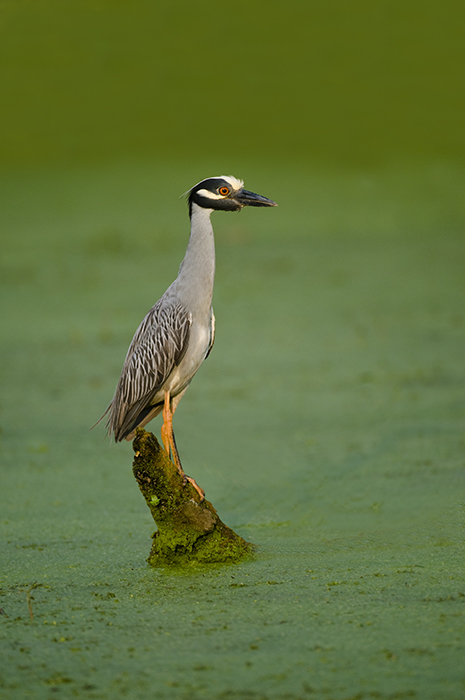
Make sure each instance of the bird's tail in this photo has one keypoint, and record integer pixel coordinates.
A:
(102, 417)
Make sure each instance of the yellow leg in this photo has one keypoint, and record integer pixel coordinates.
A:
(167, 427)
(169, 442)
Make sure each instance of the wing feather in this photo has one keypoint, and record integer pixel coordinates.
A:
(158, 346)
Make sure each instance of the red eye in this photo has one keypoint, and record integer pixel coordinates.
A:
(223, 191)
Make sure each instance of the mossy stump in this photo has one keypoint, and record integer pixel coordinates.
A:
(189, 530)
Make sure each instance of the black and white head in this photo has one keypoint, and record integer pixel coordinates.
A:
(225, 193)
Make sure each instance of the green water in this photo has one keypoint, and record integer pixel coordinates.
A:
(327, 424)
(326, 427)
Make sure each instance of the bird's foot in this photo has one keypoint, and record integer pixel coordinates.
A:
(192, 481)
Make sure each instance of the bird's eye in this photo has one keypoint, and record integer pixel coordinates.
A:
(223, 191)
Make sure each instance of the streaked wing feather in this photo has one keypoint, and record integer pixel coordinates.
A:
(159, 344)
(212, 333)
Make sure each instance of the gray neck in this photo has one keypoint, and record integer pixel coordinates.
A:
(194, 284)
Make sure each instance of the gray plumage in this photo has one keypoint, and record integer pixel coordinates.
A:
(159, 344)
(178, 332)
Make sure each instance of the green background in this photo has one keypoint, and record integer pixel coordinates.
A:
(327, 424)
(355, 82)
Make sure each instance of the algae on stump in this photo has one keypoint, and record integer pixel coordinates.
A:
(189, 530)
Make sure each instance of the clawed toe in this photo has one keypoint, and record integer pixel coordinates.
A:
(192, 481)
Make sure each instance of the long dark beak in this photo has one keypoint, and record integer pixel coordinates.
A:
(250, 199)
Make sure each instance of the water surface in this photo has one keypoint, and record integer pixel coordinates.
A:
(326, 427)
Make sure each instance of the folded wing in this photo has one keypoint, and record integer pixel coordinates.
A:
(158, 346)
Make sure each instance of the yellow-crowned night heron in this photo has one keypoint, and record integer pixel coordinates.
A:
(177, 334)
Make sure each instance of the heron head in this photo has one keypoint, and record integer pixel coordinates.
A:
(225, 193)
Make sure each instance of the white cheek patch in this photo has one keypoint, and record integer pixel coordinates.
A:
(209, 195)
(234, 183)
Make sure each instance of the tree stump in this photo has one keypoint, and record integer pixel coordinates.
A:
(189, 530)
